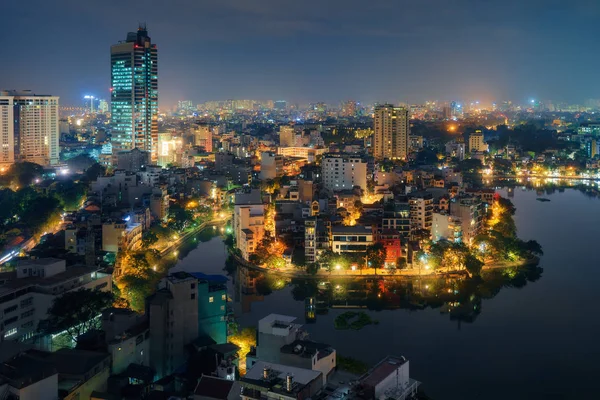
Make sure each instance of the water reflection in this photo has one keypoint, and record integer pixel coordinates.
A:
(546, 186)
(455, 295)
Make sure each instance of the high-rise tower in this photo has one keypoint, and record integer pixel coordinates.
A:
(29, 128)
(134, 93)
(392, 127)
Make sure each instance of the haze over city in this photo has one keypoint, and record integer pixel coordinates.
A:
(312, 50)
(276, 199)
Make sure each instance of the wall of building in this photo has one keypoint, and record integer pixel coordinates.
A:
(46, 388)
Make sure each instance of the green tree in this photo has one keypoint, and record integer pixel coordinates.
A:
(473, 265)
(135, 289)
(21, 174)
(274, 261)
(376, 256)
(179, 217)
(149, 238)
(76, 312)
(93, 172)
(401, 263)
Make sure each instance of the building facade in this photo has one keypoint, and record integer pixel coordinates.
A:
(173, 316)
(392, 129)
(29, 128)
(134, 94)
(421, 211)
(476, 142)
(343, 172)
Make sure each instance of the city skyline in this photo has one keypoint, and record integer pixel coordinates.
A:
(304, 52)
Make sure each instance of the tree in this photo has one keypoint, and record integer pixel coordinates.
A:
(21, 174)
(401, 263)
(135, 289)
(179, 217)
(473, 265)
(69, 193)
(274, 261)
(149, 238)
(93, 172)
(376, 256)
(76, 312)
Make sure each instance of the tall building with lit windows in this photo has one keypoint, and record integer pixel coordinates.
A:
(29, 129)
(392, 128)
(134, 94)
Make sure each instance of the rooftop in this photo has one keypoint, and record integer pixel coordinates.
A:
(307, 348)
(213, 387)
(278, 374)
(25, 369)
(382, 370)
(357, 229)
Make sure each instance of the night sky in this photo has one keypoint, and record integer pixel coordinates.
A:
(312, 50)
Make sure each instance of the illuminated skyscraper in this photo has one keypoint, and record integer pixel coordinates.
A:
(134, 94)
(392, 127)
(29, 129)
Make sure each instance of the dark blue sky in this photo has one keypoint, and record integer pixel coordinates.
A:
(312, 50)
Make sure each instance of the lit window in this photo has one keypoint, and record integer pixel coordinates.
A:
(224, 297)
(211, 299)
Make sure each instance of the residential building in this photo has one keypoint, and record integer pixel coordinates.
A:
(470, 210)
(310, 154)
(389, 379)
(121, 236)
(446, 227)
(342, 172)
(485, 195)
(392, 129)
(392, 243)
(80, 372)
(159, 204)
(133, 160)
(415, 142)
(421, 210)
(397, 217)
(223, 160)
(271, 165)
(25, 377)
(287, 136)
(476, 142)
(173, 314)
(248, 221)
(455, 149)
(316, 238)
(274, 332)
(134, 94)
(276, 381)
(7, 130)
(310, 355)
(203, 137)
(27, 296)
(213, 388)
(29, 128)
(127, 338)
(212, 306)
(349, 239)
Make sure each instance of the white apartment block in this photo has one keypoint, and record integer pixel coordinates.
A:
(7, 132)
(31, 129)
(342, 172)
